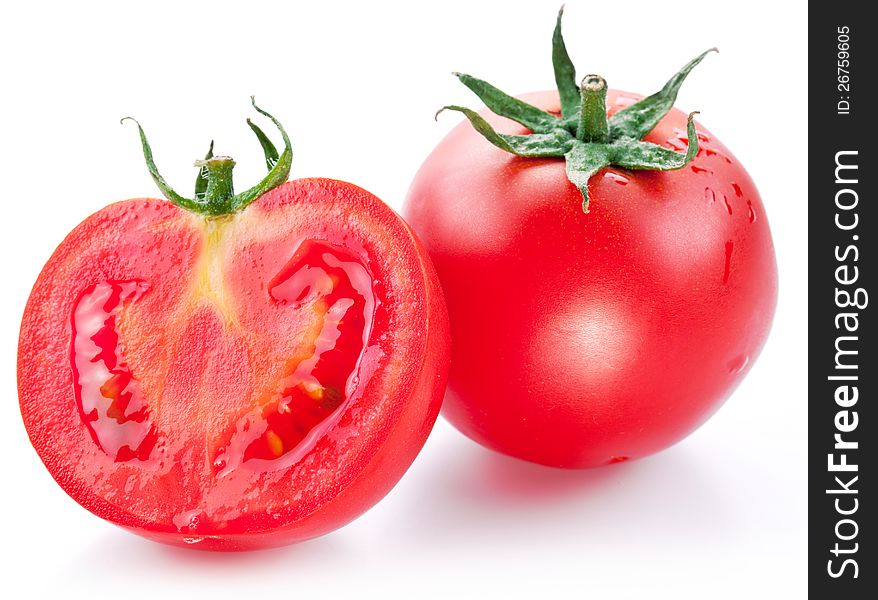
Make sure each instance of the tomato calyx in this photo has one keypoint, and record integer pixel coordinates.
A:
(214, 190)
(583, 135)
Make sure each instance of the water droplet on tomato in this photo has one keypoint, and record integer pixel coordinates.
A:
(681, 136)
(727, 271)
(193, 540)
(616, 177)
(738, 364)
(187, 521)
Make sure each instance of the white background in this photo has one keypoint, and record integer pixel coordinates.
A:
(720, 515)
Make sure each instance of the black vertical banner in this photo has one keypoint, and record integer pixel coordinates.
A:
(842, 365)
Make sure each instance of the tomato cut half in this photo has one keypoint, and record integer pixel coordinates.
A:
(238, 381)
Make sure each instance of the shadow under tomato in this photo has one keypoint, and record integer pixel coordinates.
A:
(497, 477)
(120, 552)
(475, 475)
(319, 549)
(117, 563)
(477, 492)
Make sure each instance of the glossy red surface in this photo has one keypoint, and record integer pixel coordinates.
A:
(587, 339)
(240, 382)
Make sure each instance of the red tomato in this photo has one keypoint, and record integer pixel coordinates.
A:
(582, 339)
(237, 381)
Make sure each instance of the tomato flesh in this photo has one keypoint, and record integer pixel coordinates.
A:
(240, 382)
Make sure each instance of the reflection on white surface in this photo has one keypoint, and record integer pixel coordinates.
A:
(472, 513)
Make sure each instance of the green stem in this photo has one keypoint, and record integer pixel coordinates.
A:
(593, 125)
(583, 136)
(218, 195)
(214, 193)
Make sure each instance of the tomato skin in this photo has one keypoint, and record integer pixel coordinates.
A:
(579, 339)
(176, 335)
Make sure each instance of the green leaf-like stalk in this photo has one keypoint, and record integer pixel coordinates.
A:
(268, 149)
(565, 72)
(214, 190)
(535, 119)
(533, 146)
(583, 135)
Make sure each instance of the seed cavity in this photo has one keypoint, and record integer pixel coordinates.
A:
(107, 393)
(334, 283)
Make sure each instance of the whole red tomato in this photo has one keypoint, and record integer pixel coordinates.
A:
(234, 371)
(587, 337)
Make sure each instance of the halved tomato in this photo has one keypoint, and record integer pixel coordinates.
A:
(238, 379)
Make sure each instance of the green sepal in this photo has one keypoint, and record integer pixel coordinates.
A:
(537, 145)
(565, 73)
(278, 174)
(166, 189)
(535, 119)
(635, 154)
(584, 136)
(640, 118)
(214, 194)
(268, 149)
(201, 179)
(582, 162)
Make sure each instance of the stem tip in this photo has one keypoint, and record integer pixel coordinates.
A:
(594, 83)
